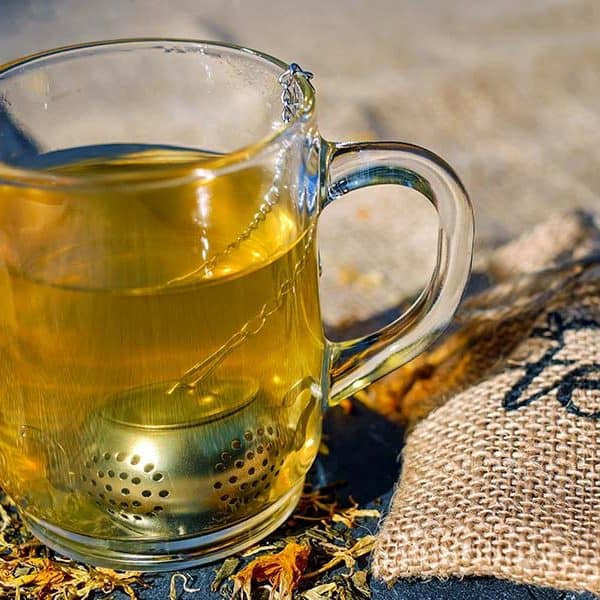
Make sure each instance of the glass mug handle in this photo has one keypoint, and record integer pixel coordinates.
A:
(355, 363)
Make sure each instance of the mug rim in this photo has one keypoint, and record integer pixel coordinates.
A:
(23, 176)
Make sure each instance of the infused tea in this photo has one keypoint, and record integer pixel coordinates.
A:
(116, 291)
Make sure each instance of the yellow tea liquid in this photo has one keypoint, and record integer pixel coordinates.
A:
(130, 283)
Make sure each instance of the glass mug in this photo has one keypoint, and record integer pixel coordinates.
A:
(163, 366)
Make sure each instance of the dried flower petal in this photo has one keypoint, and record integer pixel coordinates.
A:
(282, 571)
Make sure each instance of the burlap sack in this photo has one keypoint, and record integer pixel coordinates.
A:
(503, 477)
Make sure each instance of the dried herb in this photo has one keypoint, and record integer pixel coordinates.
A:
(281, 571)
(347, 406)
(350, 515)
(317, 505)
(320, 592)
(28, 570)
(185, 579)
(348, 556)
(226, 570)
(33, 577)
(326, 531)
(324, 448)
(341, 587)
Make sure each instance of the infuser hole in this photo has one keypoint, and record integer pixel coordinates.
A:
(248, 436)
(158, 477)
(220, 467)
(260, 449)
(244, 486)
(110, 473)
(146, 493)
(260, 431)
(163, 493)
(124, 516)
(270, 430)
(97, 503)
(136, 503)
(264, 477)
(276, 473)
(265, 462)
(93, 482)
(136, 480)
(249, 455)
(108, 487)
(251, 471)
(236, 444)
(88, 465)
(111, 511)
(123, 505)
(272, 468)
(120, 457)
(233, 479)
(106, 456)
(83, 478)
(254, 483)
(123, 476)
(218, 485)
(135, 459)
(137, 517)
(239, 464)
(158, 509)
(102, 496)
(225, 456)
(148, 467)
(125, 492)
(101, 474)
(95, 458)
(224, 497)
(112, 502)
(233, 501)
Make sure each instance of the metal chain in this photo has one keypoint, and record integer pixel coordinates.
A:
(200, 370)
(270, 200)
(291, 95)
(290, 99)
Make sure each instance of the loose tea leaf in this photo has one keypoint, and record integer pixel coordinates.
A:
(282, 571)
(349, 516)
(317, 505)
(360, 583)
(344, 556)
(28, 570)
(320, 592)
(341, 587)
(226, 570)
(48, 578)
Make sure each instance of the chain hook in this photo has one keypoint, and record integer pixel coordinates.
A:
(291, 95)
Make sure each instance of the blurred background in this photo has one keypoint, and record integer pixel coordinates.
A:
(508, 92)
